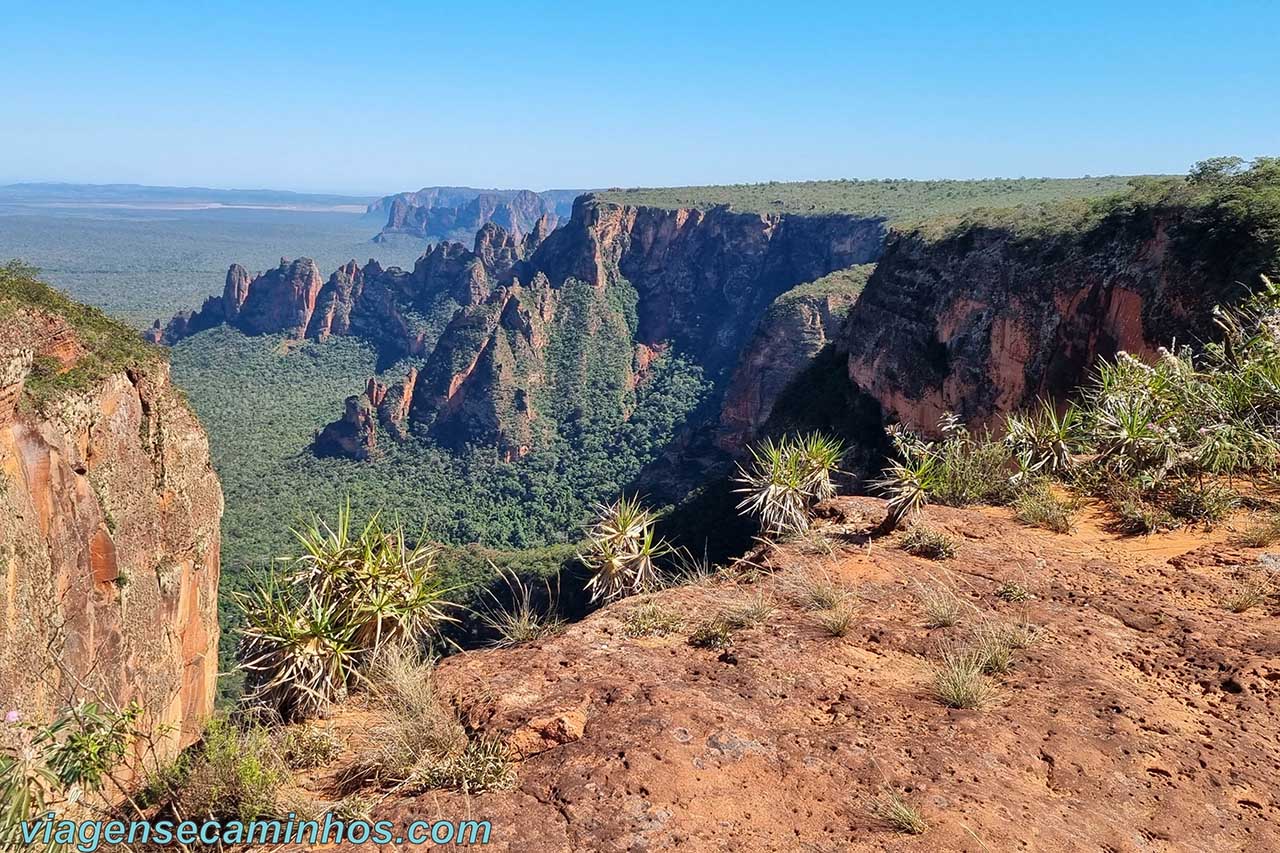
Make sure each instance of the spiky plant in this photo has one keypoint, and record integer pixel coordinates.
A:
(622, 549)
(907, 485)
(776, 484)
(784, 479)
(313, 626)
(1044, 440)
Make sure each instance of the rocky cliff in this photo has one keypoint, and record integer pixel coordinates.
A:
(109, 519)
(986, 317)
(520, 333)
(797, 327)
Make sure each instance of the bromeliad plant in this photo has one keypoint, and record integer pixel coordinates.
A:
(312, 629)
(785, 479)
(621, 549)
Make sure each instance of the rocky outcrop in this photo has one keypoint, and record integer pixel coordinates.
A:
(1137, 717)
(985, 319)
(520, 332)
(440, 212)
(798, 326)
(109, 526)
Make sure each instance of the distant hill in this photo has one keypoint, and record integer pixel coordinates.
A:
(456, 213)
(128, 195)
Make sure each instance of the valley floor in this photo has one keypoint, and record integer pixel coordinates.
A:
(1145, 716)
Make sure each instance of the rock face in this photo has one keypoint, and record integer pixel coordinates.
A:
(440, 212)
(109, 533)
(799, 325)
(525, 330)
(984, 319)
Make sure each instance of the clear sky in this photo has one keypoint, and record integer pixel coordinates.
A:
(372, 97)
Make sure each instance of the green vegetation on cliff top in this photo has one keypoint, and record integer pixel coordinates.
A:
(110, 346)
(901, 202)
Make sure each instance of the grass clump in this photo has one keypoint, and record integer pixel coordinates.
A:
(941, 606)
(482, 766)
(417, 728)
(519, 618)
(1038, 506)
(895, 812)
(651, 619)
(959, 679)
(754, 612)
(1253, 589)
(1012, 592)
(1262, 531)
(814, 589)
(715, 634)
(837, 621)
(785, 479)
(305, 747)
(924, 541)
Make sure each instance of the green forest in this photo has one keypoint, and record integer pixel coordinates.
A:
(902, 202)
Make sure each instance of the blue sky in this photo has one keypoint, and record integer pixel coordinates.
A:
(376, 97)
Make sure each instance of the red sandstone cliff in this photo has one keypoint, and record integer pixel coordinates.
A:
(984, 320)
(109, 529)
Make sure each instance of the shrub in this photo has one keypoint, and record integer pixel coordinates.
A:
(520, 619)
(1043, 441)
(942, 608)
(924, 541)
(651, 620)
(958, 680)
(43, 766)
(309, 633)
(621, 550)
(1037, 505)
(784, 479)
(235, 774)
(957, 470)
(1261, 532)
(894, 810)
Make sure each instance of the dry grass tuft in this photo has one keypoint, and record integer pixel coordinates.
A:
(651, 619)
(942, 607)
(923, 541)
(838, 621)
(959, 680)
(1262, 531)
(894, 810)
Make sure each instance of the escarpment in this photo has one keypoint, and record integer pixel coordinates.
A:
(109, 522)
(437, 212)
(986, 318)
(528, 330)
